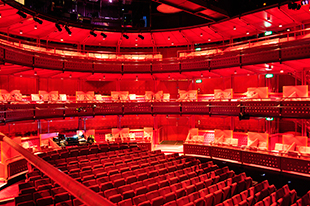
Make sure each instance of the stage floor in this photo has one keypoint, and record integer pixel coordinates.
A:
(169, 148)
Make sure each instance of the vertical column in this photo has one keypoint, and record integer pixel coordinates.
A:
(119, 121)
(39, 127)
(155, 132)
(232, 123)
(84, 119)
(118, 85)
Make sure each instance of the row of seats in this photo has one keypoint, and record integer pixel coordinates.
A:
(46, 183)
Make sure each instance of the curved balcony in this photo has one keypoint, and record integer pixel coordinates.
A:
(283, 109)
(35, 57)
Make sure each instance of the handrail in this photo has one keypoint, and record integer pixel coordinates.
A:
(78, 190)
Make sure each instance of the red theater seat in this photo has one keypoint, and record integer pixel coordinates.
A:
(127, 202)
(155, 198)
(167, 194)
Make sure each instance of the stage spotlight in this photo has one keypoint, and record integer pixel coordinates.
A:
(93, 33)
(22, 14)
(103, 35)
(58, 27)
(140, 36)
(125, 36)
(37, 20)
(68, 30)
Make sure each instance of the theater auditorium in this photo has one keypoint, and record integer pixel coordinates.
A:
(154, 102)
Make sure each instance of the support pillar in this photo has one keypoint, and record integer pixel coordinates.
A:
(156, 131)
(119, 121)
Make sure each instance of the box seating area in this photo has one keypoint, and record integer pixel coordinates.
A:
(133, 176)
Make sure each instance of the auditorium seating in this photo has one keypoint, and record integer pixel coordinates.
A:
(131, 176)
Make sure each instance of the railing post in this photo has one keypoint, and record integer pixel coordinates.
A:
(77, 189)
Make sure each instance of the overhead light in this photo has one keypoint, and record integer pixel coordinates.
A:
(281, 71)
(61, 39)
(136, 44)
(22, 14)
(125, 36)
(140, 36)
(235, 72)
(209, 39)
(103, 76)
(0, 16)
(68, 30)
(58, 27)
(280, 25)
(20, 32)
(169, 76)
(264, 4)
(201, 75)
(304, 2)
(136, 39)
(110, 1)
(288, 29)
(103, 35)
(37, 20)
(172, 43)
(201, 35)
(70, 76)
(269, 67)
(137, 78)
(235, 28)
(93, 33)
(35, 73)
(168, 38)
(247, 33)
(35, 27)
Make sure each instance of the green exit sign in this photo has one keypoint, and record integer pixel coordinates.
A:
(268, 76)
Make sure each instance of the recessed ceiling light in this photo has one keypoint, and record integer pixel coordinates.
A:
(172, 43)
(281, 71)
(61, 39)
(288, 30)
(209, 39)
(247, 33)
(280, 25)
(235, 28)
(35, 27)
(168, 38)
(136, 44)
(201, 35)
(20, 32)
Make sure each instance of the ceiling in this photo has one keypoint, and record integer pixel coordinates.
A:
(249, 25)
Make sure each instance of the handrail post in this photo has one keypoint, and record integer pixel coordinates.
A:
(77, 189)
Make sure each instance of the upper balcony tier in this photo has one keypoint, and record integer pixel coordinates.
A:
(274, 49)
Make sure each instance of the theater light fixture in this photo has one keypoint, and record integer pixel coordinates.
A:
(37, 20)
(235, 28)
(125, 36)
(68, 30)
(294, 6)
(93, 33)
(168, 38)
(136, 44)
(137, 78)
(35, 27)
(209, 39)
(20, 32)
(58, 27)
(22, 14)
(103, 35)
(140, 36)
(201, 35)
